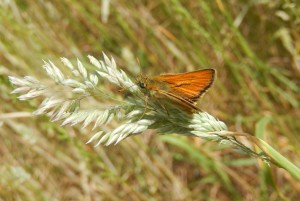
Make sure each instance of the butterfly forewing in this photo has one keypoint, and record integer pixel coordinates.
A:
(188, 86)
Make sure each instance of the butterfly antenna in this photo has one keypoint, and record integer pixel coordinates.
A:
(138, 61)
(126, 88)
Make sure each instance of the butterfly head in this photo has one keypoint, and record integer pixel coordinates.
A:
(143, 83)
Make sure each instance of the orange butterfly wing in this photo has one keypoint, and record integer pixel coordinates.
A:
(189, 86)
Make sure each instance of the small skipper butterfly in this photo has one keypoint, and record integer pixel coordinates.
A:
(185, 89)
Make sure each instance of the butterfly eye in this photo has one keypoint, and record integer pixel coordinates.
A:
(142, 85)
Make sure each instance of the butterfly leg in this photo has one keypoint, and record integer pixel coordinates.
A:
(146, 106)
(163, 106)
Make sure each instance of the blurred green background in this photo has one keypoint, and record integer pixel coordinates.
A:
(255, 47)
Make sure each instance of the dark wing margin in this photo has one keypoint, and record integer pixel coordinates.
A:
(207, 86)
